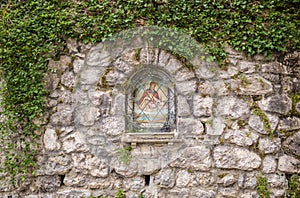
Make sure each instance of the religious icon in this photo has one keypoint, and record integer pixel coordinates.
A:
(152, 106)
(150, 98)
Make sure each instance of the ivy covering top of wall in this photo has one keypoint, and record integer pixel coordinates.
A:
(34, 31)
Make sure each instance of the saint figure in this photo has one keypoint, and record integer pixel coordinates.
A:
(150, 98)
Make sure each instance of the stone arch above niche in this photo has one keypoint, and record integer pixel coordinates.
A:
(101, 112)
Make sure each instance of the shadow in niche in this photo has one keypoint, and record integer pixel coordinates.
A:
(147, 180)
(62, 177)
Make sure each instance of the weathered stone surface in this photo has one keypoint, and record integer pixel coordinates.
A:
(202, 106)
(165, 178)
(86, 115)
(68, 79)
(122, 64)
(248, 193)
(274, 67)
(149, 55)
(63, 117)
(55, 165)
(183, 106)
(206, 70)
(78, 65)
(89, 164)
(118, 105)
(228, 72)
(254, 85)
(277, 103)
(227, 180)
(114, 77)
(242, 137)
(204, 179)
(74, 143)
(232, 107)
(173, 65)
(114, 125)
(194, 158)
(277, 180)
(51, 81)
(247, 180)
(228, 192)
(267, 146)
(289, 164)
(50, 140)
(73, 192)
(190, 126)
(99, 183)
(229, 157)
(184, 74)
(183, 178)
(269, 164)
(196, 193)
(256, 123)
(289, 124)
(187, 87)
(75, 179)
(292, 145)
(48, 183)
(90, 76)
(215, 126)
(135, 183)
(249, 67)
(98, 57)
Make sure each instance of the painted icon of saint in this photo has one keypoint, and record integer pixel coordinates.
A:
(150, 98)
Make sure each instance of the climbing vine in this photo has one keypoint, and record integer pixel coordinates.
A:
(34, 31)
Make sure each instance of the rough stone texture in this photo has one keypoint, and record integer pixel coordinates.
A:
(229, 157)
(257, 124)
(269, 164)
(292, 145)
(278, 103)
(243, 137)
(217, 149)
(50, 140)
(228, 180)
(289, 124)
(267, 146)
(289, 164)
(202, 106)
(232, 107)
(195, 158)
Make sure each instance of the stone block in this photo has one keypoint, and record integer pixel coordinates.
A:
(228, 180)
(189, 126)
(74, 143)
(63, 117)
(183, 107)
(289, 124)
(194, 158)
(183, 178)
(90, 76)
(54, 165)
(229, 157)
(114, 126)
(51, 140)
(288, 164)
(242, 137)
(165, 178)
(187, 87)
(269, 164)
(291, 145)
(256, 123)
(68, 79)
(202, 106)
(267, 146)
(86, 115)
(196, 193)
(184, 74)
(247, 180)
(277, 103)
(232, 107)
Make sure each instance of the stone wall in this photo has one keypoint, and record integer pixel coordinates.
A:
(235, 123)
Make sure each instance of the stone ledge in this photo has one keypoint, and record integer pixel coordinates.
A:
(154, 137)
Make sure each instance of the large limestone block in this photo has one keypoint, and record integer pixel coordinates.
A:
(266, 145)
(230, 157)
(194, 158)
(232, 106)
(242, 137)
(277, 103)
(292, 145)
(289, 164)
(50, 140)
(202, 106)
(289, 124)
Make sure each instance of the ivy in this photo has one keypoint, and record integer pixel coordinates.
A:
(34, 31)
